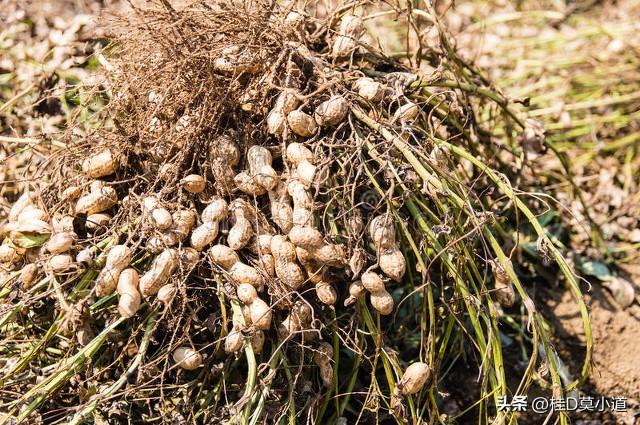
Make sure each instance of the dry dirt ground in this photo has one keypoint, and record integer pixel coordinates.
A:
(616, 334)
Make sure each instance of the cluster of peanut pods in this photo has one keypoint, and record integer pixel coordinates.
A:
(282, 245)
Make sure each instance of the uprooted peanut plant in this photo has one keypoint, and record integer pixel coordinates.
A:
(275, 220)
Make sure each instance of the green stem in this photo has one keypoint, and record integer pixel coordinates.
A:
(275, 362)
(249, 387)
(113, 388)
(40, 392)
(507, 191)
(555, 252)
(474, 88)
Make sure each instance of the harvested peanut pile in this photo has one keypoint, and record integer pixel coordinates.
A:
(270, 202)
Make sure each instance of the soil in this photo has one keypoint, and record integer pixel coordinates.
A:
(615, 369)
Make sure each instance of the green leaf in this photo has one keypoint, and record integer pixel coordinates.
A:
(28, 240)
(530, 248)
(547, 217)
(597, 269)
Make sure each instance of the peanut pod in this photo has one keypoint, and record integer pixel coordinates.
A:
(9, 254)
(166, 293)
(369, 89)
(322, 357)
(117, 260)
(193, 183)
(333, 111)
(96, 202)
(60, 242)
(215, 211)
(393, 264)
(280, 206)
(27, 198)
(187, 358)
(30, 213)
(204, 235)
(28, 275)
(61, 263)
(381, 300)
(298, 320)
(161, 218)
(302, 124)
(183, 222)
(287, 269)
(286, 102)
(161, 268)
(71, 193)
(414, 378)
(97, 222)
(304, 162)
(356, 290)
(129, 298)
(239, 272)
(259, 312)
(249, 184)
(241, 231)
(260, 168)
(100, 165)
